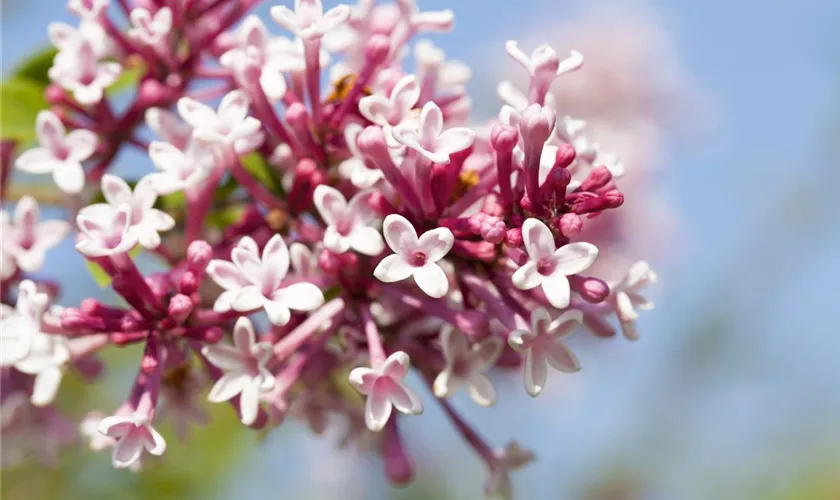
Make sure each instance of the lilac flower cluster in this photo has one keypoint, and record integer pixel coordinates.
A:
(394, 237)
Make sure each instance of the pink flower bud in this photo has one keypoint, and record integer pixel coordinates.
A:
(189, 283)
(180, 307)
(199, 254)
(329, 261)
(54, 94)
(536, 125)
(597, 178)
(513, 238)
(569, 224)
(565, 155)
(398, 466)
(592, 290)
(377, 48)
(152, 93)
(74, 319)
(504, 138)
(473, 323)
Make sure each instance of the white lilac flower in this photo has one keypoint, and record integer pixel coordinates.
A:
(80, 70)
(254, 282)
(549, 266)
(151, 29)
(626, 297)
(308, 20)
(354, 167)
(543, 65)
(178, 170)
(169, 127)
(543, 345)
(228, 126)
(105, 231)
(26, 238)
(133, 433)
(67, 38)
(416, 257)
(393, 110)
(465, 365)
(385, 390)
(427, 137)
(512, 457)
(87, 9)
(303, 260)
(349, 224)
(145, 221)
(244, 367)
(60, 154)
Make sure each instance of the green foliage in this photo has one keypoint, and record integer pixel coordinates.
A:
(36, 67)
(127, 80)
(262, 171)
(20, 99)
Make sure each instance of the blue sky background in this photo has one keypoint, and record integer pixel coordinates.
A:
(738, 372)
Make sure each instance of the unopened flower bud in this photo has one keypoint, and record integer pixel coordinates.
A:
(398, 465)
(504, 138)
(513, 237)
(329, 261)
(597, 178)
(189, 283)
(152, 93)
(565, 155)
(54, 94)
(377, 48)
(74, 319)
(569, 224)
(592, 290)
(180, 307)
(199, 254)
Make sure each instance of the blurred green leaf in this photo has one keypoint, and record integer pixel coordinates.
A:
(100, 277)
(36, 67)
(225, 217)
(20, 99)
(128, 79)
(256, 165)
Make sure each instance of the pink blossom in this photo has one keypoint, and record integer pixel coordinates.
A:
(105, 231)
(80, 70)
(169, 127)
(308, 20)
(549, 266)
(60, 153)
(543, 345)
(133, 433)
(393, 110)
(626, 297)
(151, 29)
(245, 373)
(179, 170)
(512, 457)
(428, 138)
(465, 365)
(416, 257)
(385, 390)
(348, 223)
(229, 126)
(26, 238)
(255, 281)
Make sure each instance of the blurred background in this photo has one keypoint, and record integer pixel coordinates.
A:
(728, 116)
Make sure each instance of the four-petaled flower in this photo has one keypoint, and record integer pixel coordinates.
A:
(512, 457)
(179, 170)
(466, 364)
(549, 267)
(133, 433)
(385, 390)
(60, 153)
(354, 167)
(308, 20)
(390, 112)
(145, 221)
(151, 29)
(79, 70)
(415, 256)
(252, 281)
(544, 344)
(169, 127)
(626, 299)
(427, 137)
(105, 231)
(229, 126)
(349, 224)
(245, 373)
(26, 238)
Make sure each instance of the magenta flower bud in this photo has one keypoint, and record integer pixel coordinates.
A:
(213, 335)
(180, 307)
(493, 229)
(199, 254)
(149, 363)
(613, 199)
(597, 178)
(479, 250)
(90, 307)
(152, 93)
(592, 290)
(398, 465)
(130, 322)
(565, 155)
(54, 94)
(536, 126)
(297, 117)
(492, 206)
(90, 368)
(377, 48)
(513, 237)
(74, 319)
(554, 187)
(569, 224)
(126, 338)
(189, 283)
(329, 261)
(349, 260)
(159, 283)
(504, 138)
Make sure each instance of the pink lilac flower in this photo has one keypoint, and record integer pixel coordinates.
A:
(354, 167)
(550, 266)
(245, 373)
(133, 433)
(145, 221)
(105, 231)
(151, 29)
(543, 345)
(60, 154)
(87, 9)
(169, 127)
(393, 110)
(179, 170)
(415, 257)
(229, 126)
(512, 457)
(465, 365)
(626, 297)
(308, 20)
(254, 281)
(385, 390)
(80, 70)
(26, 238)
(68, 38)
(348, 223)
(428, 138)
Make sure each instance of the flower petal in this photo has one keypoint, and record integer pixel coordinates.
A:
(278, 313)
(432, 280)
(556, 289)
(378, 407)
(127, 450)
(436, 243)
(363, 378)
(575, 258)
(249, 403)
(396, 366)
(228, 386)
(535, 373)
(558, 355)
(249, 298)
(539, 242)
(393, 268)
(275, 261)
(244, 337)
(70, 177)
(301, 297)
(197, 114)
(225, 274)
(154, 442)
(46, 386)
(366, 240)
(481, 390)
(224, 356)
(399, 234)
(405, 400)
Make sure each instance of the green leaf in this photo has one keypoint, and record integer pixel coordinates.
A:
(35, 68)
(225, 217)
(256, 165)
(100, 277)
(128, 79)
(21, 100)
